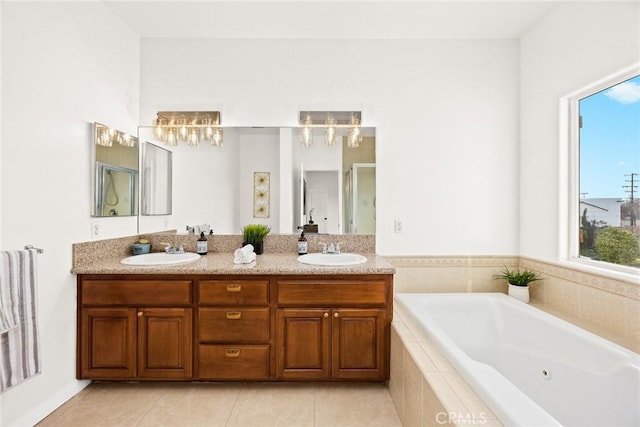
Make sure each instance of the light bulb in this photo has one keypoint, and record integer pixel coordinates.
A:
(172, 139)
(158, 130)
(217, 137)
(330, 132)
(183, 131)
(194, 137)
(306, 133)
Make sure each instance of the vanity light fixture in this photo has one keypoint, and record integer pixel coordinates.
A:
(190, 127)
(331, 121)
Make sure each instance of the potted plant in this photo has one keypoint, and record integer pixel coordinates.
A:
(519, 282)
(254, 234)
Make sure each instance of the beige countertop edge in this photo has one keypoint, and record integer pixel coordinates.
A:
(222, 263)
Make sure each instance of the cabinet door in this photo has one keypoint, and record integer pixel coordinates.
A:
(165, 343)
(108, 343)
(302, 344)
(358, 344)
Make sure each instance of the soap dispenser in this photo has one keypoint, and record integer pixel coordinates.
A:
(201, 245)
(302, 244)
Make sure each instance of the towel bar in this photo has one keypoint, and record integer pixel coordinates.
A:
(38, 250)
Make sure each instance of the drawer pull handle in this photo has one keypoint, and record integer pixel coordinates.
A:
(234, 287)
(232, 352)
(234, 315)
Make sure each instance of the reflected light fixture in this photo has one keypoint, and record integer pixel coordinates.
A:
(190, 127)
(331, 122)
(106, 137)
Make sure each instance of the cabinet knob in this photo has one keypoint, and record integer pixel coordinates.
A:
(140, 313)
(335, 315)
(325, 315)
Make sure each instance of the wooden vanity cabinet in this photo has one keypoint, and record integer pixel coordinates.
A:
(126, 333)
(233, 330)
(234, 327)
(333, 329)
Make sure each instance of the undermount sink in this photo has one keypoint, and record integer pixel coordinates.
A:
(334, 260)
(161, 258)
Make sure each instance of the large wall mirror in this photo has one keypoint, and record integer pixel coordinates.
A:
(114, 173)
(265, 175)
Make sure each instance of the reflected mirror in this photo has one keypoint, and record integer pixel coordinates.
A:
(114, 173)
(156, 180)
(265, 175)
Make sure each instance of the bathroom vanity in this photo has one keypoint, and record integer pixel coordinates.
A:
(278, 320)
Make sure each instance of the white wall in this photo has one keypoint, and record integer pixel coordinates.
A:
(64, 66)
(446, 114)
(574, 46)
(259, 152)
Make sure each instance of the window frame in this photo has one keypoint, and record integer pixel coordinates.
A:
(569, 220)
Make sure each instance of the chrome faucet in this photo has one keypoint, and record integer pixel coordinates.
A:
(331, 249)
(172, 249)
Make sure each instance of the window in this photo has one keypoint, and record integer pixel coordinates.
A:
(608, 173)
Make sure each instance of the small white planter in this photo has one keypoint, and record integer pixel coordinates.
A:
(519, 292)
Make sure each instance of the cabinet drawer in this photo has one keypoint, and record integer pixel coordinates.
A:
(233, 324)
(234, 362)
(234, 292)
(136, 292)
(332, 293)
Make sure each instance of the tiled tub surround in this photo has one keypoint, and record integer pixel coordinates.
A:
(607, 307)
(424, 386)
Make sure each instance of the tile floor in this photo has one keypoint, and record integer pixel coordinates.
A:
(228, 404)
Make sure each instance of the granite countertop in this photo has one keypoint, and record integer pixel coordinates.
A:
(222, 263)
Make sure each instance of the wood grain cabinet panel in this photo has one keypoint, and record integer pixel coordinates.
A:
(107, 343)
(233, 324)
(234, 362)
(331, 292)
(165, 343)
(303, 344)
(358, 343)
(234, 292)
(136, 292)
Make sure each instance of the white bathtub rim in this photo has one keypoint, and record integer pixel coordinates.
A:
(516, 401)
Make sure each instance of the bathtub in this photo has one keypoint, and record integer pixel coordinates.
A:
(529, 367)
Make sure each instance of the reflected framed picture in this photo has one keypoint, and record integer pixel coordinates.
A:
(261, 187)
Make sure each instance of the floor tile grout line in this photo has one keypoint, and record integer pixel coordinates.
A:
(233, 407)
(151, 408)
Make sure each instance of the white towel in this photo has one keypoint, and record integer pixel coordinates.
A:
(243, 251)
(246, 259)
(19, 345)
(244, 255)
